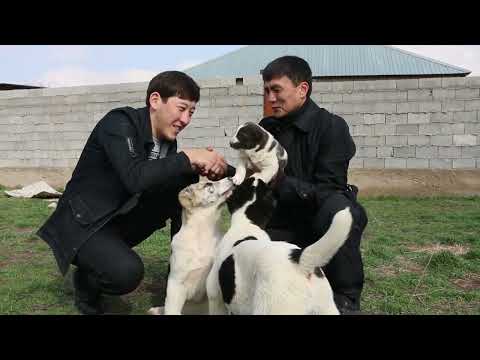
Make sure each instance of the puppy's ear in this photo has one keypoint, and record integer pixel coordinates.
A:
(187, 197)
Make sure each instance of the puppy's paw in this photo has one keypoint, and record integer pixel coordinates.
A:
(237, 180)
(159, 310)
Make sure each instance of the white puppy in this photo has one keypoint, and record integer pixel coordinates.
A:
(253, 275)
(193, 247)
(259, 152)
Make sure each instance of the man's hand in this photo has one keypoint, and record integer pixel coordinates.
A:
(207, 162)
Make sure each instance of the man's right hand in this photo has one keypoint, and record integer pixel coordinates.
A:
(207, 162)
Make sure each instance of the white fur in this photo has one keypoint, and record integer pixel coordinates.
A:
(264, 163)
(266, 280)
(193, 247)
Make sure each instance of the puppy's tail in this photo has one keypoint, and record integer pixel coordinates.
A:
(320, 252)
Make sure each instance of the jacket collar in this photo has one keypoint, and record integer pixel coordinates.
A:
(146, 126)
(300, 118)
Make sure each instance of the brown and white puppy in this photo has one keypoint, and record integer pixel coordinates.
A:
(259, 152)
(193, 247)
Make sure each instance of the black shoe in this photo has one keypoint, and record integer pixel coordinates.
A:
(346, 305)
(87, 301)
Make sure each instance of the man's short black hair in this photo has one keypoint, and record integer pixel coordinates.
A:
(293, 67)
(173, 83)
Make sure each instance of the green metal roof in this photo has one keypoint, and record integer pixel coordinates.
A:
(327, 60)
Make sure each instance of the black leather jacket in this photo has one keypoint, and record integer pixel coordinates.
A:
(109, 178)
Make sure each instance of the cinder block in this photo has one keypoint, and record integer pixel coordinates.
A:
(242, 120)
(358, 140)
(229, 121)
(363, 130)
(470, 152)
(342, 87)
(467, 94)
(374, 119)
(430, 129)
(374, 108)
(384, 151)
(203, 132)
(218, 91)
(343, 109)
(208, 122)
(395, 163)
(373, 140)
(330, 98)
(396, 140)
(418, 118)
(382, 129)
(321, 87)
(473, 82)
(222, 101)
(252, 80)
(464, 140)
(443, 94)
(216, 83)
(417, 164)
(442, 117)
(440, 164)
(356, 163)
(238, 90)
(409, 129)
(255, 90)
(408, 107)
(426, 152)
(430, 83)
(430, 106)
(374, 163)
(396, 118)
(472, 105)
(420, 94)
(418, 140)
(406, 84)
(374, 85)
(465, 116)
(354, 119)
(473, 129)
(454, 82)
(366, 151)
(404, 152)
(464, 163)
(453, 105)
(221, 142)
(441, 140)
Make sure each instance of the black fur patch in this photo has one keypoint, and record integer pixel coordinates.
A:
(261, 210)
(295, 255)
(246, 238)
(318, 271)
(249, 136)
(240, 195)
(226, 278)
(272, 145)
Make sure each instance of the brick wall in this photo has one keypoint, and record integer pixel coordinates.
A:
(428, 123)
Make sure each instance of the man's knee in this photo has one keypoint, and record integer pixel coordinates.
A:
(127, 276)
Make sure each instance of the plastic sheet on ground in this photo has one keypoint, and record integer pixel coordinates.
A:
(39, 189)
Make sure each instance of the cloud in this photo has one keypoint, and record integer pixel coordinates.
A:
(77, 76)
(68, 53)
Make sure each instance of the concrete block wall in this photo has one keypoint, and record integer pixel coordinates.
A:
(430, 123)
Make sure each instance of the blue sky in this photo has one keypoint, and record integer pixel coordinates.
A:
(72, 65)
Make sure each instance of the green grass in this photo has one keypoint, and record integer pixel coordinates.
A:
(401, 278)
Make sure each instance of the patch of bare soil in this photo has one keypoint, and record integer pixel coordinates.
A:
(469, 282)
(401, 265)
(436, 248)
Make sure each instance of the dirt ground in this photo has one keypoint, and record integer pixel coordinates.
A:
(370, 182)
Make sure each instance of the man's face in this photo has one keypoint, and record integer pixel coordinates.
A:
(170, 117)
(284, 96)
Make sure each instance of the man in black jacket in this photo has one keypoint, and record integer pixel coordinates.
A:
(314, 185)
(124, 187)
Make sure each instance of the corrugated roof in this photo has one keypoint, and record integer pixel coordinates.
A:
(327, 60)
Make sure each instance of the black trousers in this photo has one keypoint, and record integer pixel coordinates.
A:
(106, 262)
(345, 269)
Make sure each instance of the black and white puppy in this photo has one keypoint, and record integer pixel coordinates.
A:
(253, 275)
(259, 152)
